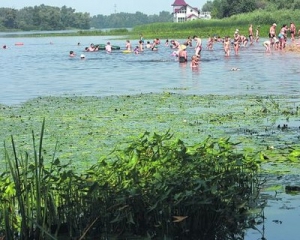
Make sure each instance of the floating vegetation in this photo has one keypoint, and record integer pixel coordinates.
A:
(90, 175)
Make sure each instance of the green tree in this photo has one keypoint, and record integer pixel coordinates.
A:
(208, 7)
(8, 17)
(67, 16)
(25, 19)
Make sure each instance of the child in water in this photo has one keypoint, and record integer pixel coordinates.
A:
(267, 45)
(136, 50)
(195, 62)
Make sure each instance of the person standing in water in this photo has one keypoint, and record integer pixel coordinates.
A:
(292, 31)
(182, 54)
(128, 45)
(198, 47)
(226, 46)
(272, 33)
(250, 30)
(257, 34)
(108, 47)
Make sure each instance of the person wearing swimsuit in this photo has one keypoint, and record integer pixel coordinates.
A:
(292, 31)
(182, 54)
(236, 43)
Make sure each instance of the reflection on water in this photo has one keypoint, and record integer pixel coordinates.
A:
(39, 68)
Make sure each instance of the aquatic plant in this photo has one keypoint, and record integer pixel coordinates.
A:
(157, 186)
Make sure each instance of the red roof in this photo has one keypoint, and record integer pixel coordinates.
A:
(192, 15)
(179, 3)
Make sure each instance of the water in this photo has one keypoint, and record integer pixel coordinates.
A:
(42, 67)
(39, 68)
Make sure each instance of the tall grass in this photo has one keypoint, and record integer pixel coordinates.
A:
(157, 186)
(222, 27)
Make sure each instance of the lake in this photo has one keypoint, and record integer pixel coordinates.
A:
(39, 68)
(42, 67)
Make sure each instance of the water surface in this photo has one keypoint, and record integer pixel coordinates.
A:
(42, 67)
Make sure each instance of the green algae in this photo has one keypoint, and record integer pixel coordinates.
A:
(87, 128)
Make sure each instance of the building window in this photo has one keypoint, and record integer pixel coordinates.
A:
(181, 19)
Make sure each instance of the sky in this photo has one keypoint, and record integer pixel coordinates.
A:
(104, 7)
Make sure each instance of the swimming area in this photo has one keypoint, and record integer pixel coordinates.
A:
(42, 67)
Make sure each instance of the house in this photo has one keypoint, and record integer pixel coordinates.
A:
(183, 12)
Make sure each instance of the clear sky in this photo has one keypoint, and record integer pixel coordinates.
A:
(104, 7)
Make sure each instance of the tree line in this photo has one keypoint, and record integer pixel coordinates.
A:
(227, 8)
(43, 18)
(54, 18)
(121, 20)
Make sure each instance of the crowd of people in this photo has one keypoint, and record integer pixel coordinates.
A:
(279, 42)
(276, 41)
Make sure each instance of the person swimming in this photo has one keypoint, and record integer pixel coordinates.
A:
(72, 54)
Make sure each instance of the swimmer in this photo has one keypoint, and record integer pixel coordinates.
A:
(234, 69)
(72, 54)
(82, 56)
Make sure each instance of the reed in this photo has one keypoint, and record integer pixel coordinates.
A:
(156, 186)
(222, 27)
